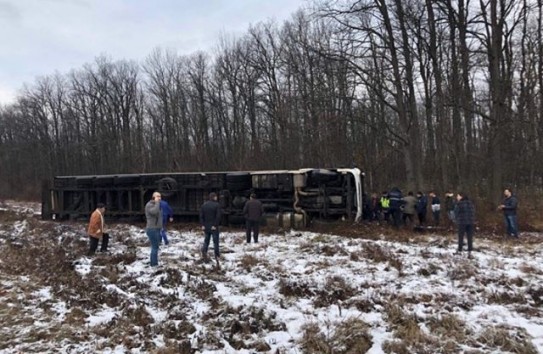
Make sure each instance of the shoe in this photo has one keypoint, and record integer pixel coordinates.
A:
(458, 252)
(469, 255)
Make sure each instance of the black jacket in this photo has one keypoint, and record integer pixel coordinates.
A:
(210, 214)
(253, 210)
(465, 212)
(396, 198)
(510, 206)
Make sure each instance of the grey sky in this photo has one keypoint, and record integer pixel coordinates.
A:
(39, 37)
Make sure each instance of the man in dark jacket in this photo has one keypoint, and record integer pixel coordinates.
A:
(396, 201)
(465, 219)
(253, 211)
(210, 217)
(509, 207)
(422, 205)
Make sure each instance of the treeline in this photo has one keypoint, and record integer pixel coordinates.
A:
(420, 94)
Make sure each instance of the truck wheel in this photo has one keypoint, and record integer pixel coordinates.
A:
(167, 186)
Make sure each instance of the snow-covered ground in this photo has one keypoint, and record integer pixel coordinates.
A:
(293, 292)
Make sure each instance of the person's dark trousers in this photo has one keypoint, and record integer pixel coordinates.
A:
(511, 224)
(154, 238)
(205, 247)
(436, 217)
(386, 215)
(411, 218)
(396, 217)
(468, 231)
(164, 236)
(93, 243)
(105, 242)
(252, 226)
(422, 218)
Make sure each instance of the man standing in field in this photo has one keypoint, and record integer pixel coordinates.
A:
(153, 215)
(210, 218)
(253, 211)
(465, 219)
(96, 230)
(509, 208)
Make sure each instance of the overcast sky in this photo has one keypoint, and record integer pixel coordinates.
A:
(41, 37)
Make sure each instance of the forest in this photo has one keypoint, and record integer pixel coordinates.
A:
(420, 94)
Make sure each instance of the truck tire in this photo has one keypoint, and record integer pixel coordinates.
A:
(167, 186)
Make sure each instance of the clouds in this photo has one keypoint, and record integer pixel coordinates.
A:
(45, 36)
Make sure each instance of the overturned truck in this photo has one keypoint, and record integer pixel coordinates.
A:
(291, 198)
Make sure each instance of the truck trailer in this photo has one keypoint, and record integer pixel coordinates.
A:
(290, 197)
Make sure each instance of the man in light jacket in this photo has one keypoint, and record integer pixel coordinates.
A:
(96, 230)
(153, 215)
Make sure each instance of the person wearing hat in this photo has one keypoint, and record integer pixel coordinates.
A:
(96, 230)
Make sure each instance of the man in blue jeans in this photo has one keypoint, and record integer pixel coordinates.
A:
(153, 215)
(210, 218)
(509, 208)
(167, 215)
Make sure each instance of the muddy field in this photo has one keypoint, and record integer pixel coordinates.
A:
(347, 289)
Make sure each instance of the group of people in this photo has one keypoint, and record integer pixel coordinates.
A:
(210, 219)
(392, 207)
(158, 213)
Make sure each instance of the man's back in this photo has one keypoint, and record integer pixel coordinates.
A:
(410, 204)
(210, 214)
(253, 209)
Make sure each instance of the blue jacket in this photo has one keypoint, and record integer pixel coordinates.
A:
(167, 211)
(210, 215)
(396, 198)
(510, 206)
(422, 204)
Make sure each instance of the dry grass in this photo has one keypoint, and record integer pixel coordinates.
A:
(295, 288)
(462, 270)
(408, 333)
(536, 294)
(335, 290)
(449, 326)
(529, 269)
(509, 339)
(50, 263)
(380, 255)
(429, 269)
(350, 336)
(248, 261)
(505, 297)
